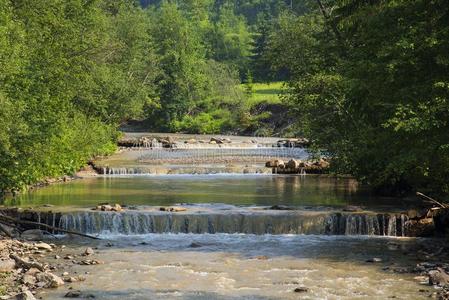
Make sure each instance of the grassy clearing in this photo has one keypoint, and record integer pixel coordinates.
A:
(265, 92)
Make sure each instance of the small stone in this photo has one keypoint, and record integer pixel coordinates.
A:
(262, 257)
(68, 257)
(65, 274)
(301, 289)
(352, 208)
(57, 257)
(44, 246)
(88, 251)
(73, 294)
(374, 260)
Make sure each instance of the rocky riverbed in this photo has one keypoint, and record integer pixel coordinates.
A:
(26, 267)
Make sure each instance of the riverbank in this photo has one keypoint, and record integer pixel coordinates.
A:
(28, 267)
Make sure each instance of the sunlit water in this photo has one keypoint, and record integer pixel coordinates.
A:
(234, 266)
(224, 266)
(232, 189)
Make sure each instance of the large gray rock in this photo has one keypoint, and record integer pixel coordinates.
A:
(33, 234)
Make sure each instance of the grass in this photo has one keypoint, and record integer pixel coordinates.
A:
(265, 92)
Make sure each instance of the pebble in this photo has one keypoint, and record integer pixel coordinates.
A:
(374, 260)
(301, 289)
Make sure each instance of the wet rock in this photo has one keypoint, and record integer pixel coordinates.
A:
(352, 208)
(216, 140)
(7, 265)
(278, 163)
(279, 207)
(88, 251)
(191, 141)
(195, 245)
(374, 260)
(439, 277)
(292, 164)
(422, 227)
(117, 208)
(26, 295)
(173, 209)
(78, 294)
(33, 234)
(73, 294)
(301, 289)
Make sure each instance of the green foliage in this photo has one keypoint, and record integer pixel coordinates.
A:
(71, 71)
(370, 84)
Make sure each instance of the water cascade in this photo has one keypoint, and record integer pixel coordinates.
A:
(131, 223)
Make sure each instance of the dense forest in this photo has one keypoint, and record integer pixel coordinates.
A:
(368, 81)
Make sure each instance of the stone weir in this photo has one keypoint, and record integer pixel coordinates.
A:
(193, 219)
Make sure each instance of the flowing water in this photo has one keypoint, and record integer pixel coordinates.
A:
(222, 266)
(228, 243)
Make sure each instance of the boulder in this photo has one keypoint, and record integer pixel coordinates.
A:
(278, 163)
(28, 280)
(191, 141)
(26, 295)
(292, 164)
(43, 246)
(422, 227)
(117, 208)
(439, 277)
(50, 280)
(106, 207)
(7, 265)
(32, 235)
(216, 140)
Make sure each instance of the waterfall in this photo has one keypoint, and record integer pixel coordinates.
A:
(130, 223)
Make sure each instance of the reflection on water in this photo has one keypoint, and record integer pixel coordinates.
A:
(232, 189)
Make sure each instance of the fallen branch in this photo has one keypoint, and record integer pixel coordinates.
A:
(17, 221)
(431, 200)
(27, 264)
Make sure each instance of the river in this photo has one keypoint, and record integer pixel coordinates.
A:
(230, 243)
